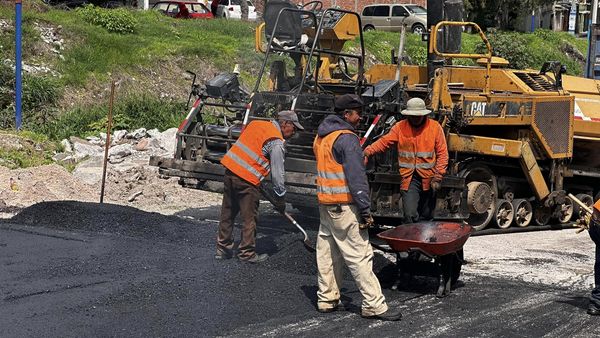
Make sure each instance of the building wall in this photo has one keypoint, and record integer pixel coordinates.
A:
(353, 5)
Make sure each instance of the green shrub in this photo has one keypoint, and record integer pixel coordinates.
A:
(512, 46)
(130, 112)
(117, 20)
(39, 98)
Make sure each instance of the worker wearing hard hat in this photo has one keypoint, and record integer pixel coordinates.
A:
(258, 151)
(422, 158)
(344, 209)
(594, 307)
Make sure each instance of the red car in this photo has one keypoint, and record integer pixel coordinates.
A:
(183, 9)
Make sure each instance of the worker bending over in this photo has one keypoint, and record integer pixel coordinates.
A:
(258, 151)
(344, 208)
(422, 158)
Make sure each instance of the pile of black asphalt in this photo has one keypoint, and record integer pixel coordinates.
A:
(87, 269)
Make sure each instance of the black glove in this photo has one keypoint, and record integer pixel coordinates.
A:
(367, 221)
(279, 204)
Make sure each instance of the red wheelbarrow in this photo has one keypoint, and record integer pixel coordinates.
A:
(440, 242)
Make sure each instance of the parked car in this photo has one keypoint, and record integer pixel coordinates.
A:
(230, 9)
(183, 9)
(391, 17)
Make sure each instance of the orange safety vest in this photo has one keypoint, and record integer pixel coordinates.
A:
(416, 152)
(597, 206)
(332, 187)
(245, 157)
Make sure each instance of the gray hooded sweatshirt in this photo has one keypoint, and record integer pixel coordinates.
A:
(348, 153)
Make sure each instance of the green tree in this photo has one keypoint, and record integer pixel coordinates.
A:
(500, 13)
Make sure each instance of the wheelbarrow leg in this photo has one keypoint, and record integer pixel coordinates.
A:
(445, 265)
(398, 273)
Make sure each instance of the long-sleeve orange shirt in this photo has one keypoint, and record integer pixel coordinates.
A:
(421, 149)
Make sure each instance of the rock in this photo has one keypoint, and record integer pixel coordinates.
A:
(95, 140)
(66, 145)
(83, 148)
(90, 171)
(133, 178)
(153, 133)
(133, 196)
(167, 139)
(64, 158)
(119, 151)
(103, 137)
(154, 143)
(119, 135)
(142, 145)
(137, 134)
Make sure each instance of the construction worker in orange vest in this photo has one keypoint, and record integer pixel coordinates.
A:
(344, 208)
(422, 158)
(258, 151)
(594, 229)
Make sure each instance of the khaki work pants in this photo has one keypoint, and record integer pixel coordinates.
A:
(340, 240)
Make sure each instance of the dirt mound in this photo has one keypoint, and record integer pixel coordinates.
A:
(21, 188)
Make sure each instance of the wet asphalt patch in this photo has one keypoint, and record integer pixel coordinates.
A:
(133, 273)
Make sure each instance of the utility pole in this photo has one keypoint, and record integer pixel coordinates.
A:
(18, 79)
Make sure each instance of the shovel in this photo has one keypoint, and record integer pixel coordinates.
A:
(306, 241)
(585, 208)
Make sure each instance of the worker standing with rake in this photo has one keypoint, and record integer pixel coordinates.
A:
(344, 209)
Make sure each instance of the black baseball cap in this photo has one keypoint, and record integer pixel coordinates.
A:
(348, 101)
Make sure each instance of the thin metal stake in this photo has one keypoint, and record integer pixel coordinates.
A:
(107, 145)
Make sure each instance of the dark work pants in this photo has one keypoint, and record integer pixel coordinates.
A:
(416, 202)
(240, 197)
(595, 235)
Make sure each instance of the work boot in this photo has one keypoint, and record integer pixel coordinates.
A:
(223, 255)
(255, 259)
(593, 310)
(389, 315)
(338, 307)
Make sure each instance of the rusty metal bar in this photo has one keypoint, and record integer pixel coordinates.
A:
(107, 144)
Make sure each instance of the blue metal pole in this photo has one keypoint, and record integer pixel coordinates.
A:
(588, 72)
(532, 21)
(18, 79)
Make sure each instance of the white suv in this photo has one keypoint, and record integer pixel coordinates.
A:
(230, 9)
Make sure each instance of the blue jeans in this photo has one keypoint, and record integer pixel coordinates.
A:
(595, 235)
(416, 202)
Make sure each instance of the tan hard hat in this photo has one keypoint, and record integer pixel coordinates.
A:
(415, 107)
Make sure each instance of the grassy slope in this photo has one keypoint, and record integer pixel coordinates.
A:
(93, 51)
(540, 47)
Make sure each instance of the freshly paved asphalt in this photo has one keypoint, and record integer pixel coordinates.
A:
(74, 269)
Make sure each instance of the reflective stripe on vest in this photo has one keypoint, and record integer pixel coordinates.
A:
(332, 187)
(416, 151)
(416, 166)
(424, 154)
(245, 157)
